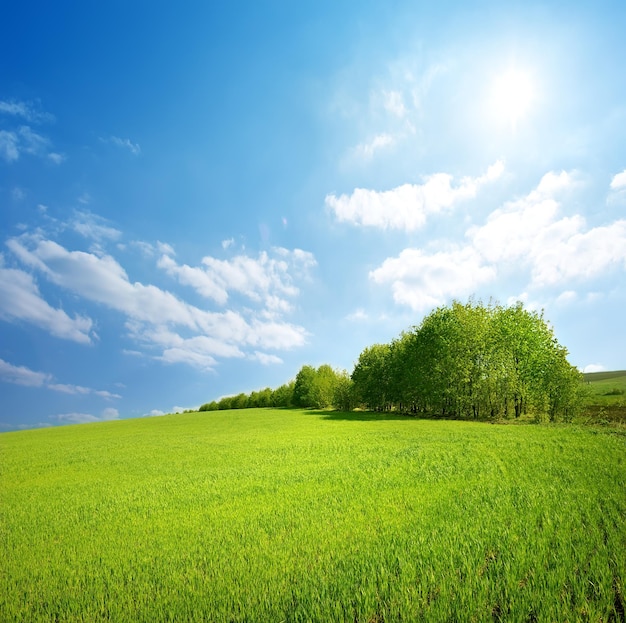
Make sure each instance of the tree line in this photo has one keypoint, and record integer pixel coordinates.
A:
(471, 361)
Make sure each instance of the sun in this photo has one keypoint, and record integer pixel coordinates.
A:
(512, 96)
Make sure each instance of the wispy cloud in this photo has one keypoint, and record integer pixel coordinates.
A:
(9, 146)
(407, 207)
(94, 227)
(29, 111)
(56, 158)
(394, 103)
(265, 358)
(86, 418)
(357, 315)
(124, 143)
(21, 375)
(367, 150)
(16, 141)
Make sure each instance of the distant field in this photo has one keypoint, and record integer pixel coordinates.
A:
(271, 515)
(608, 387)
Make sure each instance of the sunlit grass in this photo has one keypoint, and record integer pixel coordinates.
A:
(269, 515)
(607, 388)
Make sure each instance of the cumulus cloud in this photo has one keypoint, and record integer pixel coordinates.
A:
(158, 319)
(266, 278)
(619, 181)
(408, 206)
(594, 367)
(528, 237)
(21, 375)
(20, 300)
(424, 280)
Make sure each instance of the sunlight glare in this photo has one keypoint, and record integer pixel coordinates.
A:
(512, 96)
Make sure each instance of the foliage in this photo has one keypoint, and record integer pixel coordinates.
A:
(266, 515)
(283, 395)
(472, 361)
(464, 360)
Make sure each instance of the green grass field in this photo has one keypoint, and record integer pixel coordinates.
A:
(270, 515)
(607, 388)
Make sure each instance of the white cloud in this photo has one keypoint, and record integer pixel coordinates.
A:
(358, 314)
(21, 375)
(156, 318)
(264, 279)
(393, 101)
(86, 418)
(18, 194)
(21, 300)
(94, 227)
(528, 238)
(367, 150)
(25, 110)
(56, 158)
(580, 255)
(31, 142)
(125, 143)
(145, 248)
(408, 206)
(24, 140)
(594, 367)
(9, 146)
(155, 413)
(266, 359)
(422, 281)
(519, 227)
(619, 181)
(567, 297)
(228, 243)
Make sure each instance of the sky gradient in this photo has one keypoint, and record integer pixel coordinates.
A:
(196, 200)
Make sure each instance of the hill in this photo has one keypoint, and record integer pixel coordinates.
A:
(293, 515)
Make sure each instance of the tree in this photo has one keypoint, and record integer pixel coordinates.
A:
(303, 387)
(371, 377)
(323, 386)
(283, 396)
(343, 397)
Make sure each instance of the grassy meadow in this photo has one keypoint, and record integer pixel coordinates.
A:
(607, 388)
(290, 515)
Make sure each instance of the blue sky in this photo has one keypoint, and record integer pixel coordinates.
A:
(196, 199)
